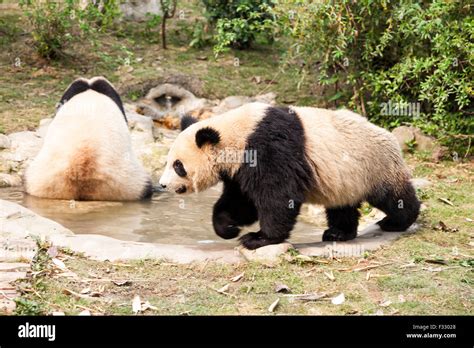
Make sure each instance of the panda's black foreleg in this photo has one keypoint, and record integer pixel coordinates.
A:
(342, 223)
(233, 209)
(277, 219)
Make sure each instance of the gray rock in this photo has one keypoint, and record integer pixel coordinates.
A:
(267, 98)
(267, 254)
(138, 10)
(424, 142)
(230, 103)
(404, 135)
(8, 180)
(169, 100)
(420, 182)
(4, 142)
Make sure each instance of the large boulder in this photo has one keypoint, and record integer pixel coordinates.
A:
(408, 134)
(139, 10)
(169, 100)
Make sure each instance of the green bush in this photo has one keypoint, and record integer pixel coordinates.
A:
(237, 22)
(376, 54)
(55, 24)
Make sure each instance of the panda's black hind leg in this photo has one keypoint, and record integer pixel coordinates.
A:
(401, 206)
(342, 223)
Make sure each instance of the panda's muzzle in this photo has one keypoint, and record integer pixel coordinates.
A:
(181, 189)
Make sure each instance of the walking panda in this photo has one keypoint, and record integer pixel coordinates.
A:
(302, 154)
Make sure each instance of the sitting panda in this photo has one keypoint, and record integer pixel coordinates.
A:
(302, 154)
(87, 152)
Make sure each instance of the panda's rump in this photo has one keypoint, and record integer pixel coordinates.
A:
(82, 178)
(351, 157)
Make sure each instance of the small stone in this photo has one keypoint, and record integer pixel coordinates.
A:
(267, 254)
(8, 180)
(157, 133)
(420, 182)
(4, 142)
(267, 98)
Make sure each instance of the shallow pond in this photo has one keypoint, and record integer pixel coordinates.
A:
(167, 218)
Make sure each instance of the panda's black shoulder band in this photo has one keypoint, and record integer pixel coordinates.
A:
(100, 85)
(77, 87)
(103, 87)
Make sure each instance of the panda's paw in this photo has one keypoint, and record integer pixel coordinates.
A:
(334, 234)
(227, 232)
(388, 225)
(255, 240)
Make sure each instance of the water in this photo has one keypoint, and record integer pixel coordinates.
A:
(168, 218)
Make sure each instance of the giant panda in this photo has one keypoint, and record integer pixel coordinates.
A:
(301, 154)
(87, 152)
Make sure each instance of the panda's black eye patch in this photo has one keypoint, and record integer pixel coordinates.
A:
(179, 168)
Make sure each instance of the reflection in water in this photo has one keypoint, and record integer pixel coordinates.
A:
(167, 218)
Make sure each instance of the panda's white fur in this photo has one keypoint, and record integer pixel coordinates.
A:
(349, 155)
(87, 153)
(304, 154)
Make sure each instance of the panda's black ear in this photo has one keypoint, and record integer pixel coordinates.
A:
(207, 135)
(186, 121)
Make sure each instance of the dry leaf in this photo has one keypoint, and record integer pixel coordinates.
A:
(147, 305)
(446, 201)
(85, 291)
(367, 277)
(339, 299)
(385, 303)
(469, 220)
(122, 282)
(59, 264)
(273, 305)
(330, 275)
(283, 288)
(371, 267)
(408, 265)
(443, 227)
(237, 277)
(437, 261)
(306, 297)
(70, 292)
(136, 304)
(304, 258)
(224, 289)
